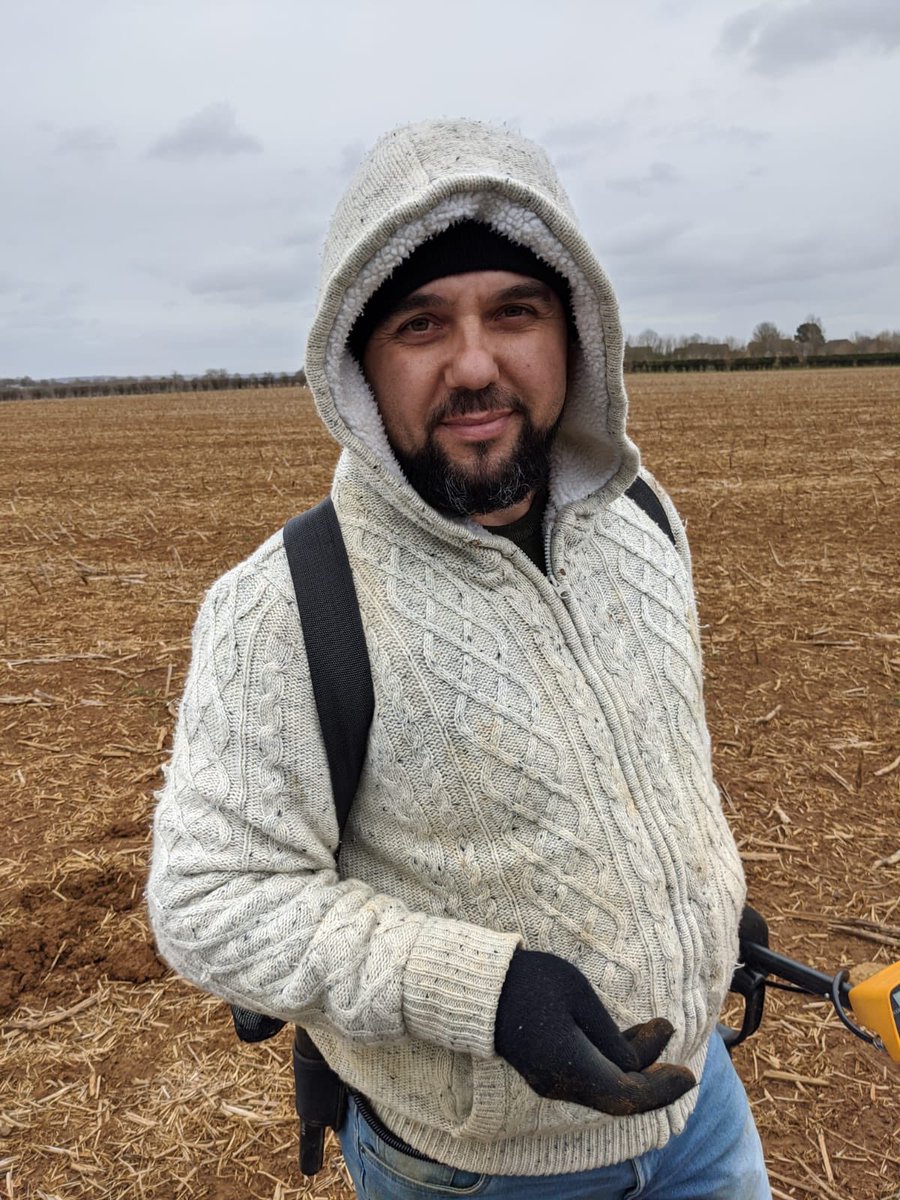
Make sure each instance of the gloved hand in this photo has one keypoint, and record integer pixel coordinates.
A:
(554, 1030)
(752, 929)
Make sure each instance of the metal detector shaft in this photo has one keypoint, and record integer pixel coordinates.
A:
(870, 1009)
(767, 962)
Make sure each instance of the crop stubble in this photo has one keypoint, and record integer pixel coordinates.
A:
(119, 512)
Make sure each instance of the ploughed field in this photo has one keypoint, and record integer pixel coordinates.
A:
(122, 1082)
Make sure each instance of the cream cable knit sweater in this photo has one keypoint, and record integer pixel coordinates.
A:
(538, 770)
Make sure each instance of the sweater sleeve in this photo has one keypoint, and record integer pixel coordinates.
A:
(244, 895)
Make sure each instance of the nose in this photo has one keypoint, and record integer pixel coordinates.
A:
(471, 363)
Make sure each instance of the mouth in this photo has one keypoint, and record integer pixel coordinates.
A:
(479, 427)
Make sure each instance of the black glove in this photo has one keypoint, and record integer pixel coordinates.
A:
(752, 930)
(556, 1033)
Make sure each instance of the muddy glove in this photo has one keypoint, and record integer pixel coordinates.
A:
(553, 1029)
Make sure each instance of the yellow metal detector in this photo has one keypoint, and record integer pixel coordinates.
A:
(875, 1002)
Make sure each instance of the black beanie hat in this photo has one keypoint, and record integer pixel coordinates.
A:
(466, 246)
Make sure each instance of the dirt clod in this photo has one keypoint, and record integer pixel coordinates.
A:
(63, 940)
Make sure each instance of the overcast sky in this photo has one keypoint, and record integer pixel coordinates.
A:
(169, 166)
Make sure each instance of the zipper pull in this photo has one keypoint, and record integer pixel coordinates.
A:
(559, 584)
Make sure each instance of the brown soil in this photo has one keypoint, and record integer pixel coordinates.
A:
(121, 511)
(58, 943)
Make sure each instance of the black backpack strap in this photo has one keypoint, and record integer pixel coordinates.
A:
(643, 495)
(339, 671)
(335, 645)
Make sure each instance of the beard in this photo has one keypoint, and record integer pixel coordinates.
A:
(479, 487)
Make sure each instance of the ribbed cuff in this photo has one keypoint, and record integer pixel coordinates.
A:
(452, 984)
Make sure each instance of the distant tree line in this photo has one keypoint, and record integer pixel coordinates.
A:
(130, 385)
(768, 348)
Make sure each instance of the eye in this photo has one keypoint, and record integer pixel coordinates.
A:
(419, 324)
(515, 310)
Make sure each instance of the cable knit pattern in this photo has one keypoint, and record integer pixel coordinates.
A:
(538, 768)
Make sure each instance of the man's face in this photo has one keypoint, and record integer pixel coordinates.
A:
(469, 373)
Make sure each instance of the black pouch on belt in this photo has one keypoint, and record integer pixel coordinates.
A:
(320, 1098)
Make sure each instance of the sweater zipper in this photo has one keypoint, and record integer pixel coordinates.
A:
(608, 705)
(559, 586)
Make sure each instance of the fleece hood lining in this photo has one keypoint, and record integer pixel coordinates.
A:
(586, 453)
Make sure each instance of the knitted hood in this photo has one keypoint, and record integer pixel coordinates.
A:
(418, 180)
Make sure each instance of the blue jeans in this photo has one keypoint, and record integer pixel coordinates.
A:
(717, 1156)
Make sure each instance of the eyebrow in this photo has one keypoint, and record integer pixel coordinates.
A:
(417, 300)
(532, 290)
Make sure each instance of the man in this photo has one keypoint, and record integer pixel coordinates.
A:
(519, 968)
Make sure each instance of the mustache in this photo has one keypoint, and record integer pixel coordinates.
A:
(462, 402)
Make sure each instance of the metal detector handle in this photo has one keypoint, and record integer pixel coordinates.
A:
(749, 981)
(751, 984)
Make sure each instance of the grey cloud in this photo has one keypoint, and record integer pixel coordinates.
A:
(706, 131)
(211, 132)
(9, 283)
(785, 265)
(51, 310)
(739, 31)
(658, 174)
(351, 155)
(777, 41)
(574, 135)
(568, 160)
(254, 283)
(305, 235)
(59, 299)
(572, 143)
(582, 134)
(807, 245)
(37, 321)
(85, 141)
(645, 239)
